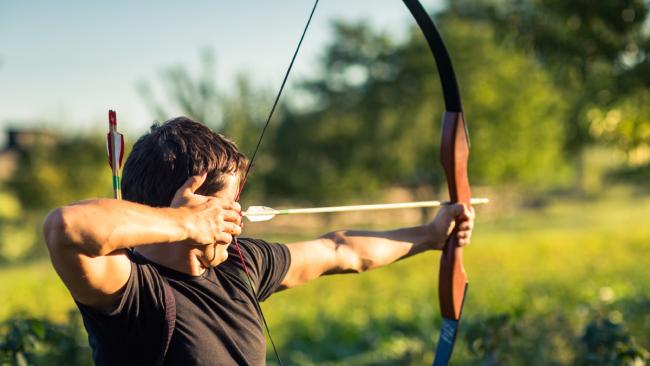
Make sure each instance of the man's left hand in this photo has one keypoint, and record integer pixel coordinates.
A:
(446, 220)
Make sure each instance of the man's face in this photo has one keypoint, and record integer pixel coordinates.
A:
(231, 188)
(214, 254)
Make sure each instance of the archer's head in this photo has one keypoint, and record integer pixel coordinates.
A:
(163, 159)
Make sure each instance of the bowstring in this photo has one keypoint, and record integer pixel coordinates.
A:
(248, 170)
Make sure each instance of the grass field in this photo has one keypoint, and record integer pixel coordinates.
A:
(566, 260)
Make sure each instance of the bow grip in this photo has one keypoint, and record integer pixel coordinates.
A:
(454, 154)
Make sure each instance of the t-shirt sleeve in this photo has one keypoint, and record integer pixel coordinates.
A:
(143, 292)
(268, 264)
(139, 313)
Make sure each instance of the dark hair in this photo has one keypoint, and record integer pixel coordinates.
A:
(163, 159)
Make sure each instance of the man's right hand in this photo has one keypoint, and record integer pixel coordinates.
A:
(87, 240)
(210, 220)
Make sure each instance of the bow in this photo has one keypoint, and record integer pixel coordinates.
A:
(454, 152)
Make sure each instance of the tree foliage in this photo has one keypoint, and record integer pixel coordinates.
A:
(374, 118)
(31, 341)
(49, 175)
(596, 52)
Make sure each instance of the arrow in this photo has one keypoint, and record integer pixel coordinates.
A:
(263, 213)
(115, 148)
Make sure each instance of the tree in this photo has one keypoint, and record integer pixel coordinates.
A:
(49, 175)
(596, 52)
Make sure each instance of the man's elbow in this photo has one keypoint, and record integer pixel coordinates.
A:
(348, 259)
(54, 228)
(57, 231)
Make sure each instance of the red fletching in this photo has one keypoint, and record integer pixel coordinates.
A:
(112, 140)
(112, 118)
(121, 149)
(109, 149)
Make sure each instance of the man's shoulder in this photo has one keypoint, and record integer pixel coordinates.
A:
(256, 250)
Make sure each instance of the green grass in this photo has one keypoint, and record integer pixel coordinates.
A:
(33, 289)
(558, 259)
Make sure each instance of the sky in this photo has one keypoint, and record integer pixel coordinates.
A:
(72, 60)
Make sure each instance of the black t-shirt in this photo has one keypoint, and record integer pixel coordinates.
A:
(217, 322)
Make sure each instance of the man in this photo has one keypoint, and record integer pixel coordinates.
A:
(171, 236)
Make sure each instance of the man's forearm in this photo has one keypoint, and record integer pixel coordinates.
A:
(364, 250)
(99, 227)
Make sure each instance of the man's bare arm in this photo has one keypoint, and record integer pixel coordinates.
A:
(96, 228)
(87, 240)
(355, 251)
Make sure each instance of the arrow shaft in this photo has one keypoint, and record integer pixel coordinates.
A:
(384, 206)
(116, 140)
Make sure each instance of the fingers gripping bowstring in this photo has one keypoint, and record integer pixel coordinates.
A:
(248, 170)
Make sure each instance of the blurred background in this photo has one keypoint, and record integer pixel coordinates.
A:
(557, 101)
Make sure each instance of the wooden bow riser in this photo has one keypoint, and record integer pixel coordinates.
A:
(454, 154)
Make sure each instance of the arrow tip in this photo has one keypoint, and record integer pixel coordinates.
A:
(479, 201)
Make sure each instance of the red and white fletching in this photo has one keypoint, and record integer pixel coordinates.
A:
(114, 142)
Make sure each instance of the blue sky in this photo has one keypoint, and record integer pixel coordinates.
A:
(72, 60)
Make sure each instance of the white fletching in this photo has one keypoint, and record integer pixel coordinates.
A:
(260, 213)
